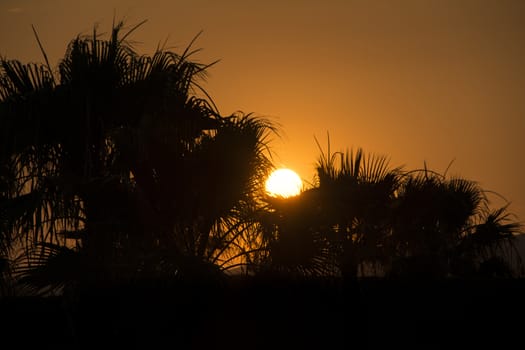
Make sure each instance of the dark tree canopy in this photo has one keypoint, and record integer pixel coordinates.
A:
(113, 167)
(365, 218)
(117, 167)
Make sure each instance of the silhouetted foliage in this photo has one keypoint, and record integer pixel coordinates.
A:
(127, 193)
(363, 218)
(115, 170)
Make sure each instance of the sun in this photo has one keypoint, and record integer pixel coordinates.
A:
(283, 183)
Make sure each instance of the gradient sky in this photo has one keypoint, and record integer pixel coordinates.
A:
(418, 81)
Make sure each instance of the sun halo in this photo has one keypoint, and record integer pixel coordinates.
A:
(283, 183)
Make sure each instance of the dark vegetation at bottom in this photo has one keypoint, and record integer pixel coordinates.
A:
(113, 168)
(270, 313)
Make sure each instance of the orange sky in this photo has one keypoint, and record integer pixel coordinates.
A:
(435, 81)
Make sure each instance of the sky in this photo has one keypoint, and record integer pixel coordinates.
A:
(435, 82)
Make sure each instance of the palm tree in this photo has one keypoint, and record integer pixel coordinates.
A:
(340, 225)
(430, 215)
(115, 168)
(297, 244)
(363, 215)
(438, 227)
(488, 247)
(358, 193)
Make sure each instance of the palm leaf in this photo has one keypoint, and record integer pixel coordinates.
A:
(19, 79)
(47, 268)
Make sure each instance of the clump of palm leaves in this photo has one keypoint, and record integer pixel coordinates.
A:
(118, 167)
(438, 220)
(338, 224)
(364, 218)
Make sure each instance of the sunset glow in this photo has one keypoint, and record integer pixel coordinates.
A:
(283, 183)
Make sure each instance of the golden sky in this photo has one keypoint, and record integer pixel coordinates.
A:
(421, 80)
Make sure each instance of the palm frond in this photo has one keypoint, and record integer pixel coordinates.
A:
(44, 54)
(47, 268)
(17, 79)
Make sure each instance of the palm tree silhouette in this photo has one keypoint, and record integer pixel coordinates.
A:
(341, 223)
(363, 215)
(436, 231)
(115, 168)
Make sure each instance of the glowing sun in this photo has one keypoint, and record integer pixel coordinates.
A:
(283, 183)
